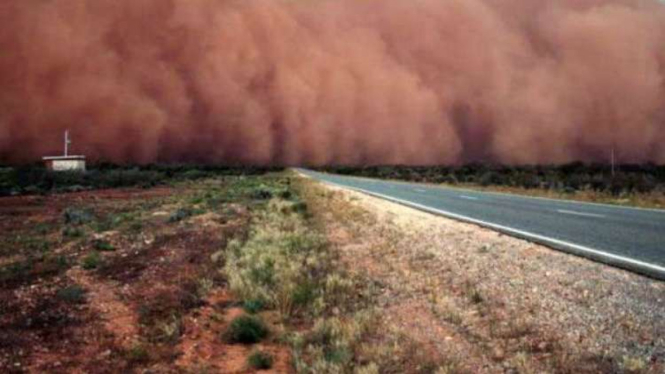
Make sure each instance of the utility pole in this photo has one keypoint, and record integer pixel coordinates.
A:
(67, 143)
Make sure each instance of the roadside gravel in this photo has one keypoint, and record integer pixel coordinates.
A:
(486, 302)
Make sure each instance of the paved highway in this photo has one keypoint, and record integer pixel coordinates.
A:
(629, 238)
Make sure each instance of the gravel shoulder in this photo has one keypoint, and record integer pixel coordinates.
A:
(486, 302)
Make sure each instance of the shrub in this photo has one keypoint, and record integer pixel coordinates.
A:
(194, 174)
(138, 354)
(262, 193)
(170, 330)
(476, 297)
(304, 293)
(259, 360)
(72, 294)
(246, 329)
(280, 262)
(330, 345)
(180, 215)
(92, 261)
(72, 232)
(204, 286)
(35, 244)
(285, 194)
(16, 272)
(191, 294)
(103, 246)
(74, 216)
(161, 315)
(136, 226)
(51, 265)
(253, 306)
(31, 269)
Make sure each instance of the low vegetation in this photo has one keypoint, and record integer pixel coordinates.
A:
(246, 330)
(285, 265)
(217, 272)
(36, 179)
(125, 269)
(72, 294)
(91, 261)
(149, 261)
(259, 360)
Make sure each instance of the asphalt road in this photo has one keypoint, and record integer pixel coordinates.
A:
(629, 238)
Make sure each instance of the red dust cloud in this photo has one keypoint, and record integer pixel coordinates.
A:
(334, 81)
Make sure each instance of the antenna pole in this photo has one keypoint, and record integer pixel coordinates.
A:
(67, 141)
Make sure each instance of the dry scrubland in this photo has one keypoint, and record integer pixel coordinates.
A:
(217, 274)
(210, 272)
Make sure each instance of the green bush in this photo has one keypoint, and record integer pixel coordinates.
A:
(72, 232)
(246, 329)
(92, 261)
(181, 214)
(253, 306)
(259, 360)
(77, 217)
(103, 246)
(304, 294)
(262, 193)
(72, 294)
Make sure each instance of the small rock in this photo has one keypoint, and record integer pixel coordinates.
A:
(498, 354)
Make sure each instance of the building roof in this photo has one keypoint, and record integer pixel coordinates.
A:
(63, 158)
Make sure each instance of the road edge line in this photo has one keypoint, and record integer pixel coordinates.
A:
(625, 263)
(507, 194)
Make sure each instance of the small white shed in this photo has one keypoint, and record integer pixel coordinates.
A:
(65, 163)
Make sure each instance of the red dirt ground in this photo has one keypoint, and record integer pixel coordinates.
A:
(142, 307)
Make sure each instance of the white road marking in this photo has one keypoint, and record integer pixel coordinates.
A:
(606, 257)
(563, 211)
(420, 190)
(468, 197)
(655, 210)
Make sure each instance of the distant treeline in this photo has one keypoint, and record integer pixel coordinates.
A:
(566, 178)
(36, 179)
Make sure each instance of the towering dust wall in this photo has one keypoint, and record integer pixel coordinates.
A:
(334, 81)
